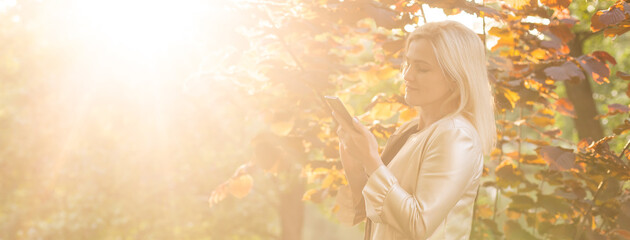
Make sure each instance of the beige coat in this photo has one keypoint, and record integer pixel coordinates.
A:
(428, 189)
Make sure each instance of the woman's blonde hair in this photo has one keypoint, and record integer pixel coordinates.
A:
(462, 56)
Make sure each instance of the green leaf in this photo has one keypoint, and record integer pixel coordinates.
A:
(513, 230)
(553, 203)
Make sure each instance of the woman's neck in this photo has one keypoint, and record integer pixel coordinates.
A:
(433, 113)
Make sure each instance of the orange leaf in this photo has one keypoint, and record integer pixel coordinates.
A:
(564, 107)
(241, 186)
(556, 3)
(539, 53)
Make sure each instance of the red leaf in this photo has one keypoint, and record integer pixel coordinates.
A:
(563, 32)
(623, 75)
(558, 158)
(604, 57)
(566, 71)
(489, 12)
(597, 68)
(617, 108)
(605, 18)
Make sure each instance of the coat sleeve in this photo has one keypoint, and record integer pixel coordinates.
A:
(448, 167)
(351, 203)
(351, 209)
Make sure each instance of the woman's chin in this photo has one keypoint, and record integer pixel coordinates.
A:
(410, 100)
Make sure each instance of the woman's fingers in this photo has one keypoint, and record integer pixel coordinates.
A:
(348, 126)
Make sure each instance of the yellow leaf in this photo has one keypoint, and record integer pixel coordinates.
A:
(407, 114)
(328, 181)
(384, 110)
(241, 186)
(539, 53)
(511, 96)
(543, 121)
(307, 194)
(369, 77)
(546, 111)
(518, 4)
(387, 72)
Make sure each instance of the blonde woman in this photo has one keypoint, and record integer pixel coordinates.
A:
(424, 184)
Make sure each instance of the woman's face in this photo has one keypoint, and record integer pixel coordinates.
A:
(426, 85)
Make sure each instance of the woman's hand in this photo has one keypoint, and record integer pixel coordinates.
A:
(358, 144)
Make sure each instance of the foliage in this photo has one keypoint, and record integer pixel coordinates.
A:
(555, 187)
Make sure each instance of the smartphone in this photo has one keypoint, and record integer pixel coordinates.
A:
(340, 110)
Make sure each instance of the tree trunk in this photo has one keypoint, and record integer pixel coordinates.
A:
(292, 209)
(581, 95)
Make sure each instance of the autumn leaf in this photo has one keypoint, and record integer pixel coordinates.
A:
(553, 204)
(617, 108)
(604, 57)
(386, 72)
(622, 128)
(511, 96)
(564, 72)
(542, 121)
(484, 211)
(508, 174)
(315, 195)
(564, 107)
(241, 185)
(604, 18)
(533, 159)
(556, 3)
(597, 68)
(554, 133)
(384, 110)
(518, 4)
(521, 203)
(408, 114)
(623, 75)
(610, 189)
(513, 230)
(393, 46)
(557, 158)
(307, 195)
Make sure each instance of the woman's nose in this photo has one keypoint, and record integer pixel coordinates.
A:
(407, 77)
